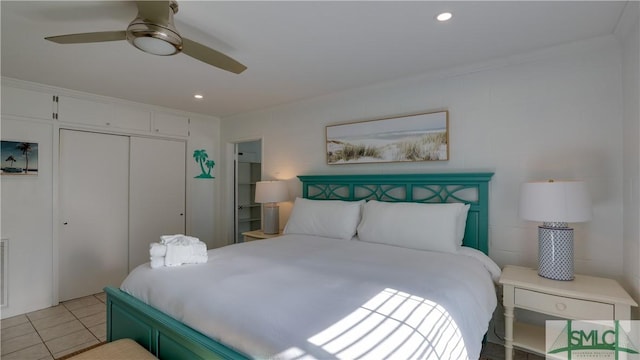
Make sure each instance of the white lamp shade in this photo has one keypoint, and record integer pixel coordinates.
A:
(555, 201)
(271, 191)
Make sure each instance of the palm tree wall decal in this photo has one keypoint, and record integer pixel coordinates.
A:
(201, 156)
(25, 147)
(210, 164)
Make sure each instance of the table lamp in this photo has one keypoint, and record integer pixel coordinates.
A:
(555, 204)
(270, 193)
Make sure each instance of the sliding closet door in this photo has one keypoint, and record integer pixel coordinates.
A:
(94, 202)
(157, 194)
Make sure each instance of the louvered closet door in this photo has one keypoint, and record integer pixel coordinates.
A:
(94, 202)
(157, 194)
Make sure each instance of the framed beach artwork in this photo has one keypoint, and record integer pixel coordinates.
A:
(19, 158)
(418, 137)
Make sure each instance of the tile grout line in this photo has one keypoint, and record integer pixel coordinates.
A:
(42, 340)
(37, 333)
(80, 321)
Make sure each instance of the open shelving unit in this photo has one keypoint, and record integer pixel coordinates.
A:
(249, 212)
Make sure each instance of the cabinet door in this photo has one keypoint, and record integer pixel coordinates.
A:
(94, 113)
(169, 124)
(28, 103)
(94, 202)
(157, 194)
(84, 112)
(125, 117)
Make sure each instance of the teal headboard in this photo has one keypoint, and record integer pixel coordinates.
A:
(469, 188)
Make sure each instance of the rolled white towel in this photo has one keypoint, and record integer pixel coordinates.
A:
(156, 262)
(157, 249)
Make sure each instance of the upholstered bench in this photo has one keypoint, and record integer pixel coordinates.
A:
(124, 349)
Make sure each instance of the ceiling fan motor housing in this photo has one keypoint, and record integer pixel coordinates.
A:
(153, 37)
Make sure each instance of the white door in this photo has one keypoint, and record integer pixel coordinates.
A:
(157, 194)
(94, 202)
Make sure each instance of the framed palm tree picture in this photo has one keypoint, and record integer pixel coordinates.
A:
(19, 158)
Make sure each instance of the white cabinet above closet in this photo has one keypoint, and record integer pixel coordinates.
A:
(27, 103)
(170, 124)
(94, 113)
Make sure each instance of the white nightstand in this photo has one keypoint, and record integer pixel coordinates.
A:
(584, 298)
(258, 235)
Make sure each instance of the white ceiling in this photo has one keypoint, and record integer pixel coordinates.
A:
(293, 50)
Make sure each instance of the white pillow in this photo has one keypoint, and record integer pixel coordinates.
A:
(327, 218)
(432, 227)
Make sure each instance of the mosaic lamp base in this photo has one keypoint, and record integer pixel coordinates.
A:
(555, 251)
(271, 219)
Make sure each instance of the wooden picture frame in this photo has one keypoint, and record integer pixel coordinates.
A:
(407, 138)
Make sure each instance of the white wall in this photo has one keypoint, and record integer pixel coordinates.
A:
(27, 221)
(630, 39)
(29, 204)
(551, 114)
(203, 195)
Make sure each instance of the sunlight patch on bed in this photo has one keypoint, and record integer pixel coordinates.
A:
(294, 353)
(394, 324)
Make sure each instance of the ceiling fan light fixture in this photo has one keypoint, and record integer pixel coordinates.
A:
(154, 46)
(154, 39)
(445, 16)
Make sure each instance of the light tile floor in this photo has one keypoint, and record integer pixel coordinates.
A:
(56, 331)
(77, 324)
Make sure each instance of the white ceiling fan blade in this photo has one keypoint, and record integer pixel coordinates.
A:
(91, 37)
(211, 57)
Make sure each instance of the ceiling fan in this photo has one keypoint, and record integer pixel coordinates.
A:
(153, 31)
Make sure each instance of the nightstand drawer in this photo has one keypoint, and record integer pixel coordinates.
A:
(562, 306)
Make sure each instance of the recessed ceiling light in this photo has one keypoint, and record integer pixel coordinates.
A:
(198, 96)
(444, 16)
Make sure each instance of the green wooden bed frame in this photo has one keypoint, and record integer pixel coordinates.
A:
(167, 338)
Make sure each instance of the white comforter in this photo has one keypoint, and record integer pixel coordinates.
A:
(309, 297)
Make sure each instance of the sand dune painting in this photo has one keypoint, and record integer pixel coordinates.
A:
(419, 137)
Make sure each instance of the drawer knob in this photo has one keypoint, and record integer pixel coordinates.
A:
(561, 306)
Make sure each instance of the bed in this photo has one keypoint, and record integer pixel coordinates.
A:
(333, 266)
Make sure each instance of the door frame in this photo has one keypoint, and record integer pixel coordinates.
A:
(230, 210)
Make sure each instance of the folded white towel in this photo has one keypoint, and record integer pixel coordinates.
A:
(175, 250)
(176, 255)
(157, 249)
(178, 238)
(198, 259)
(156, 262)
(185, 254)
